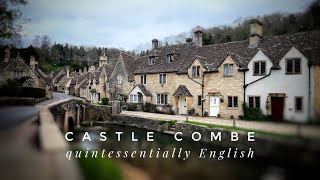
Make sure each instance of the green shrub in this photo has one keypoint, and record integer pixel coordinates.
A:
(13, 89)
(100, 169)
(146, 107)
(105, 101)
(252, 113)
(131, 107)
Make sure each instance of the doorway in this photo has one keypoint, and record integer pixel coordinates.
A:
(182, 105)
(214, 105)
(277, 104)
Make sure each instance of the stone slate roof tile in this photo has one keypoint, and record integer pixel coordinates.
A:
(213, 55)
(129, 63)
(182, 90)
(144, 90)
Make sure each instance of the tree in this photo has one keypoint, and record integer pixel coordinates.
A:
(9, 17)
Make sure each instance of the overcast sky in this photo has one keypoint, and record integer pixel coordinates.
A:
(129, 23)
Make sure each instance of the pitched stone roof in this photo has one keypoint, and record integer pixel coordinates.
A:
(144, 90)
(130, 64)
(180, 52)
(182, 90)
(212, 56)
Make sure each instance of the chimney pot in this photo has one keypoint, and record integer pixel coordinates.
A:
(155, 43)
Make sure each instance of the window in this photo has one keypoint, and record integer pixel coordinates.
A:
(119, 79)
(152, 60)
(293, 66)
(233, 101)
(254, 102)
(162, 99)
(162, 78)
(143, 79)
(298, 103)
(170, 58)
(259, 68)
(228, 70)
(199, 100)
(195, 71)
(18, 74)
(133, 98)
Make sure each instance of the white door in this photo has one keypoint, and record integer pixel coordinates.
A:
(182, 105)
(214, 105)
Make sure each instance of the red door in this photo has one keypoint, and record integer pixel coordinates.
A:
(277, 108)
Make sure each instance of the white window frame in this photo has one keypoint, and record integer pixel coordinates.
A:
(143, 79)
(260, 68)
(134, 98)
(293, 66)
(254, 101)
(196, 70)
(162, 99)
(228, 70)
(152, 60)
(170, 58)
(162, 78)
(119, 79)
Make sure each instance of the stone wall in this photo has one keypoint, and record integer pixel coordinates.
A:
(263, 146)
(97, 113)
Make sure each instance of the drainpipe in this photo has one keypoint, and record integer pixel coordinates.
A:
(309, 92)
(244, 90)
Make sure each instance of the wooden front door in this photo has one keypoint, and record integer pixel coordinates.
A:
(214, 105)
(277, 108)
(182, 105)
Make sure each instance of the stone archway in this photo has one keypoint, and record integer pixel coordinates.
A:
(100, 119)
(71, 124)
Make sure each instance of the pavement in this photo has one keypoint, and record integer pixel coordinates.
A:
(307, 131)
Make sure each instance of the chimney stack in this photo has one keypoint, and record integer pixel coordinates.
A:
(68, 72)
(155, 43)
(80, 71)
(197, 36)
(255, 33)
(33, 62)
(7, 55)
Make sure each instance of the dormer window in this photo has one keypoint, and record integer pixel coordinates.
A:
(170, 58)
(195, 71)
(152, 60)
(259, 68)
(293, 66)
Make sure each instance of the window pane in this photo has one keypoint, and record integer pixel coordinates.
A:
(164, 78)
(141, 79)
(225, 70)
(193, 71)
(145, 79)
(165, 99)
(229, 101)
(298, 103)
(289, 66)
(199, 100)
(230, 69)
(297, 67)
(235, 101)
(198, 71)
(263, 68)
(256, 68)
(251, 102)
(158, 98)
(160, 78)
(258, 102)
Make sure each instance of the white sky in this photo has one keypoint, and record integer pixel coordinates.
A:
(129, 23)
